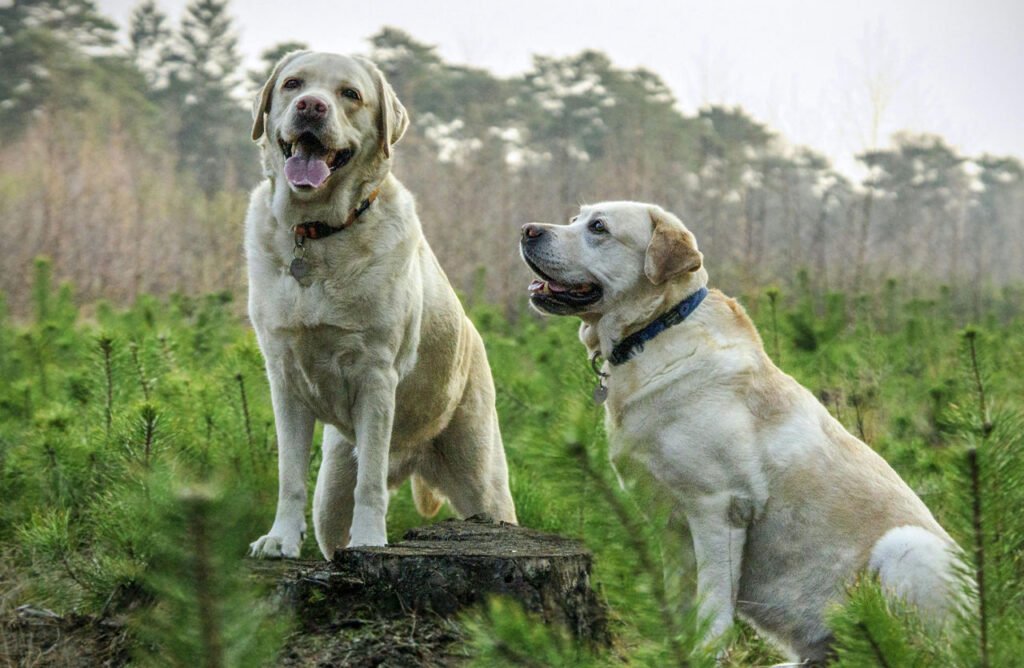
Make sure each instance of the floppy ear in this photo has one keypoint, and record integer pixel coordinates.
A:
(261, 103)
(672, 251)
(392, 119)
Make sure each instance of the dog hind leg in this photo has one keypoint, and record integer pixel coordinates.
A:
(467, 460)
(335, 493)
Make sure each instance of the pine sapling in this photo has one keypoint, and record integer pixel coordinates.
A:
(971, 334)
(197, 510)
(143, 382)
(773, 298)
(856, 402)
(245, 411)
(106, 350)
(974, 468)
(149, 419)
(205, 610)
(642, 549)
(979, 553)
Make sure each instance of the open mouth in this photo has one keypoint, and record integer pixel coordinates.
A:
(549, 295)
(308, 162)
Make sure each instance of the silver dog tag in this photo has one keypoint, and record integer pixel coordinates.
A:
(600, 394)
(299, 270)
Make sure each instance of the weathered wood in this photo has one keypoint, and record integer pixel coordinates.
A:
(443, 569)
(391, 606)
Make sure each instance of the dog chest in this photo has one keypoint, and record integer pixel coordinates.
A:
(320, 366)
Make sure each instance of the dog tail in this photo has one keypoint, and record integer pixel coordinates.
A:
(925, 569)
(426, 499)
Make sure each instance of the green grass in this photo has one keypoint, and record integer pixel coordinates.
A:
(108, 425)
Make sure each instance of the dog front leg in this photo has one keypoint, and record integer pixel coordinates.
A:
(294, 425)
(374, 412)
(718, 548)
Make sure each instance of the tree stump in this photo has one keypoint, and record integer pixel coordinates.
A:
(436, 572)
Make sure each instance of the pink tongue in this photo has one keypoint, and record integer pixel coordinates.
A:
(555, 287)
(306, 170)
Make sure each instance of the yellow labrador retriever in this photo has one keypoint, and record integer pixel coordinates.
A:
(784, 506)
(357, 322)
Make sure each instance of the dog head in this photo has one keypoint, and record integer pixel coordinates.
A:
(612, 257)
(320, 116)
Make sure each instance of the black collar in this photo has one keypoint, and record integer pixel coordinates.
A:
(625, 349)
(318, 229)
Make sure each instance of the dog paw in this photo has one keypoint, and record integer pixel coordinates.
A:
(273, 546)
(368, 529)
(368, 541)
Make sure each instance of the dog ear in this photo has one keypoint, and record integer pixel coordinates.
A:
(392, 119)
(261, 103)
(672, 251)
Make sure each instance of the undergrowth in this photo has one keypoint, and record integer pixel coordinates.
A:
(137, 455)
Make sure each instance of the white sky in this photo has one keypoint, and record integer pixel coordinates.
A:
(954, 68)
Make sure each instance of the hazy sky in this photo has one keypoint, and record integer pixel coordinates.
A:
(955, 68)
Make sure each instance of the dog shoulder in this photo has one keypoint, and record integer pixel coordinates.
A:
(259, 202)
(737, 317)
(257, 218)
(770, 395)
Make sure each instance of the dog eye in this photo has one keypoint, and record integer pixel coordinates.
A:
(351, 93)
(292, 83)
(597, 226)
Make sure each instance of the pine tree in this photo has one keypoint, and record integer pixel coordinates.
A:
(203, 87)
(987, 493)
(206, 612)
(44, 48)
(149, 37)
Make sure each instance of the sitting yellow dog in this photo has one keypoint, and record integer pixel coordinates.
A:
(784, 506)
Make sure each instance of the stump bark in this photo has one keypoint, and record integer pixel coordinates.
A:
(443, 569)
(371, 607)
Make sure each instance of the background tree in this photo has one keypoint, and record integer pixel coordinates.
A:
(49, 49)
(204, 93)
(150, 151)
(150, 43)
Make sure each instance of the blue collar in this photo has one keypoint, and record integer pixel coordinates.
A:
(625, 349)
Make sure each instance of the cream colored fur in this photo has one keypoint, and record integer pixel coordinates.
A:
(378, 347)
(785, 507)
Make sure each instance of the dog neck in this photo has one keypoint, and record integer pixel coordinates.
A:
(602, 333)
(633, 344)
(317, 229)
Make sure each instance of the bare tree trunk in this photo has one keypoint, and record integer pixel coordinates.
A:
(863, 235)
(820, 243)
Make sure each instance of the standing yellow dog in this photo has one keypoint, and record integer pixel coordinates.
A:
(358, 323)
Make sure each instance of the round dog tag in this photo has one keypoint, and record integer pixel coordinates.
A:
(299, 269)
(600, 394)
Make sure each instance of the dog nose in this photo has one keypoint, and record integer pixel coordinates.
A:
(532, 231)
(311, 106)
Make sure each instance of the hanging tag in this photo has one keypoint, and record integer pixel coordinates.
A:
(600, 394)
(299, 269)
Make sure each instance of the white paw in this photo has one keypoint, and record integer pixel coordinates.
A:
(379, 540)
(368, 529)
(277, 546)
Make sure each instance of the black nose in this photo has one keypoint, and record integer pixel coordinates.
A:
(532, 231)
(311, 107)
